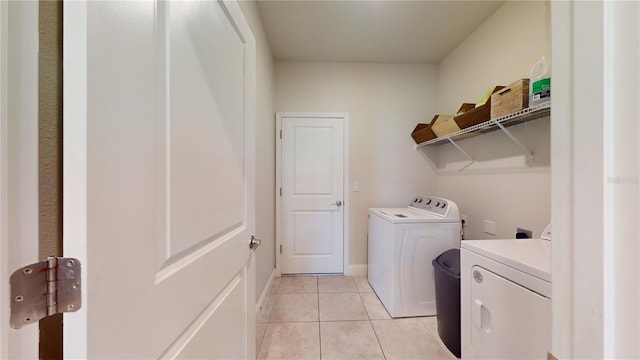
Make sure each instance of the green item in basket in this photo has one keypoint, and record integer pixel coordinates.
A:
(486, 97)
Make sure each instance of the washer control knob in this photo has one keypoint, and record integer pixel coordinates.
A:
(437, 204)
(429, 202)
(443, 205)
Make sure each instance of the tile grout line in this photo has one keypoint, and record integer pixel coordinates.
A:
(364, 306)
(378, 339)
(371, 324)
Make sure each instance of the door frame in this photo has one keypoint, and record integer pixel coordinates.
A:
(74, 171)
(18, 184)
(5, 271)
(345, 184)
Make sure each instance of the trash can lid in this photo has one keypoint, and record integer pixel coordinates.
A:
(449, 261)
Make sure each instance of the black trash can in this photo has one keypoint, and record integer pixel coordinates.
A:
(446, 269)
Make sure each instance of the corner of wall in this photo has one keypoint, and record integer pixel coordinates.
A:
(499, 52)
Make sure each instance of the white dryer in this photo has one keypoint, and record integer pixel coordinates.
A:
(506, 298)
(402, 244)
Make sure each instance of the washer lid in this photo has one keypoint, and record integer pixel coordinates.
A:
(407, 215)
(532, 256)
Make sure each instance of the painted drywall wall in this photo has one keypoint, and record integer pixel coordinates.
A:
(265, 149)
(502, 186)
(499, 52)
(384, 102)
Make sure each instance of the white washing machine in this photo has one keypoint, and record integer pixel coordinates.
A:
(402, 244)
(506, 298)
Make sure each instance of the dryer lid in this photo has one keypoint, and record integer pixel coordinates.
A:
(531, 256)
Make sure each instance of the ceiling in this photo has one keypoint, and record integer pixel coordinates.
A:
(389, 31)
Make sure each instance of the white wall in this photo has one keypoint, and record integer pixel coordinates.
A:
(265, 149)
(499, 52)
(384, 102)
(502, 186)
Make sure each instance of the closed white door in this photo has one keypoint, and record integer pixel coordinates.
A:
(312, 170)
(158, 178)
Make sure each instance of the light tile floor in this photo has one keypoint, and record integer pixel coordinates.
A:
(339, 317)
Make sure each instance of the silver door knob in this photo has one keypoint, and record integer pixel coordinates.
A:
(254, 243)
(337, 203)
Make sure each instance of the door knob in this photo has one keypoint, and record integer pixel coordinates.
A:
(337, 203)
(254, 243)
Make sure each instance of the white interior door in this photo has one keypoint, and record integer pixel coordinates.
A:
(158, 178)
(312, 166)
(18, 163)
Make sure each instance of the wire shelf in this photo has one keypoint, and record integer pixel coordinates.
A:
(518, 117)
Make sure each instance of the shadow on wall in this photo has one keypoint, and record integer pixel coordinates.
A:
(495, 151)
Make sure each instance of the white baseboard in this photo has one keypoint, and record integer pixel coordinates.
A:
(356, 270)
(266, 290)
(350, 270)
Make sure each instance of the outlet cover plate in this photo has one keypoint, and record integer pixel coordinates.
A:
(490, 227)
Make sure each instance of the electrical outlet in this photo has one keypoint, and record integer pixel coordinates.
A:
(356, 186)
(490, 227)
(465, 220)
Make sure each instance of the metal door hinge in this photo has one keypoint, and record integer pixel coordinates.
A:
(43, 289)
(280, 134)
(280, 192)
(280, 248)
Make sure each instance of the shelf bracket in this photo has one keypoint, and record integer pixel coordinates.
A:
(527, 152)
(471, 160)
